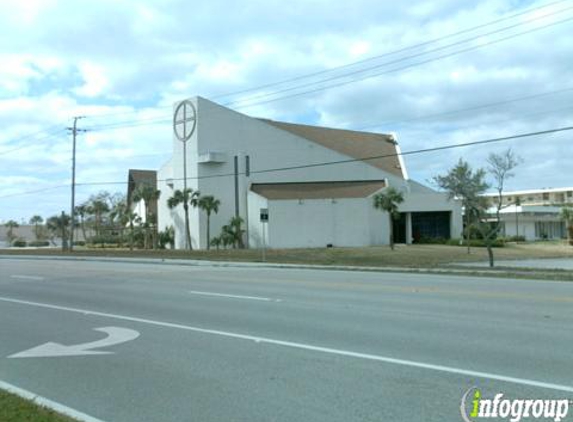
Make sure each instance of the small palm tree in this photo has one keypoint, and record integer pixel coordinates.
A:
(36, 220)
(98, 208)
(11, 225)
(567, 216)
(58, 225)
(186, 197)
(388, 201)
(217, 242)
(82, 211)
(147, 194)
(209, 204)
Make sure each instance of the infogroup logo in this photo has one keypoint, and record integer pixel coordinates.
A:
(475, 407)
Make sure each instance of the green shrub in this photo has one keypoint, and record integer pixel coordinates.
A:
(19, 243)
(432, 241)
(79, 243)
(39, 243)
(515, 239)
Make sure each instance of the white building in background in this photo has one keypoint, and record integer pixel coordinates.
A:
(314, 182)
(534, 214)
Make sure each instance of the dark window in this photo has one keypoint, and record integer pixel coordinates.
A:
(545, 196)
(431, 225)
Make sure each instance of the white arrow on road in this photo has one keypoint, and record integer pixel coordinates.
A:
(115, 335)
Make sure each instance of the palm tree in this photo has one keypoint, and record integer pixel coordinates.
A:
(567, 216)
(388, 201)
(209, 204)
(147, 194)
(98, 207)
(232, 233)
(11, 225)
(58, 225)
(217, 242)
(186, 197)
(81, 211)
(36, 220)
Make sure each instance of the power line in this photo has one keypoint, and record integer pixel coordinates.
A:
(324, 163)
(50, 134)
(411, 47)
(399, 60)
(30, 192)
(153, 121)
(433, 59)
(363, 159)
(394, 52)
(472, 108)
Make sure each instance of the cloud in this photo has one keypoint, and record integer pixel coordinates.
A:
(123, 64)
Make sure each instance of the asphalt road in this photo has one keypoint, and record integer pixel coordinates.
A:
(257, 344)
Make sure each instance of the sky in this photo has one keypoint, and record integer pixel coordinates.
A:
(437, 73)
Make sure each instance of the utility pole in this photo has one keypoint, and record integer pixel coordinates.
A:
(74, 129)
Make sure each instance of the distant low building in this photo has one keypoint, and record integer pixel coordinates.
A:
(534, 214)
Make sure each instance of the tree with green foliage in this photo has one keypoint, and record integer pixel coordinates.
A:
(388, 201)
(98, 207)
(567, 216)
(147, 194)
(81, 211)
(58, 226)
(217, 242)
(462, 183)
(232, 234)
(500, 167)
(11, 225)
(210, 205)
(188, 197)
(36, 221)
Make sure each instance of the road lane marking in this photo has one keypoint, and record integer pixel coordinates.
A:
(264, 299)
(304, 346)
(27, 277)
(115, 335)
(42, 401)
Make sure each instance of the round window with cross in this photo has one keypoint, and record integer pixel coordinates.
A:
(184, 120)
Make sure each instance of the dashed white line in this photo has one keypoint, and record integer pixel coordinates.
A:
(42, 401)
(27, 277)
(264, 299)
(310, 347)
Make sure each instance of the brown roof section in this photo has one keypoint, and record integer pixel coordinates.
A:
(141, 177)
(354, 144)
(318, 190)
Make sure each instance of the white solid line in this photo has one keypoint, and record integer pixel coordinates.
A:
(42, 401)
(303, 346)
(265, 299)
(27, 277)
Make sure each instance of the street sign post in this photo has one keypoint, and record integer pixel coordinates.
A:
(264, 216)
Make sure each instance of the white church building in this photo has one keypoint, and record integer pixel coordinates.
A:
(315, 184)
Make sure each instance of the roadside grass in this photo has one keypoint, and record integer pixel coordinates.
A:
(16, 409)
(407, 256)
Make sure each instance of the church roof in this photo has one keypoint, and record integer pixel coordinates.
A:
(319, 190)
(358, 145)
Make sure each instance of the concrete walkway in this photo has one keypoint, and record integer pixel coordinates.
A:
(545, 264)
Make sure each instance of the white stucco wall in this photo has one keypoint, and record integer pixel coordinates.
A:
(229, 133)
(225, 133)
(317, 223)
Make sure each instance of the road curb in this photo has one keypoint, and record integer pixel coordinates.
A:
(50, 404)
(473, 270)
